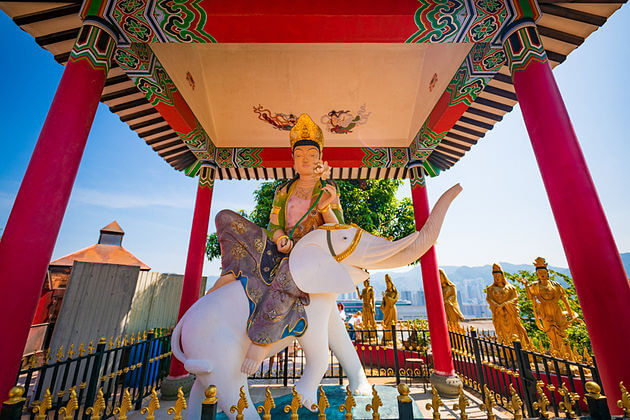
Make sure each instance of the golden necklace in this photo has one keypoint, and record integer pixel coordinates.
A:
(305, 193)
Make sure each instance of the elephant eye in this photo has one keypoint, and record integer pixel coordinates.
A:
(345, 238)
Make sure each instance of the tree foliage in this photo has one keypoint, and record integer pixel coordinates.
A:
(577, 336)
(371, 204)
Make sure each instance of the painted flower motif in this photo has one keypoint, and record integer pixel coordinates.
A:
(484, 29)
(490, 6)
(238, 251)
(130, 6)
(125, 59)
(495, 60)
(259, 245)
(137, 28)
(238, 226)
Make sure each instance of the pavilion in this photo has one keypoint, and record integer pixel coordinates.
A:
(404, 90)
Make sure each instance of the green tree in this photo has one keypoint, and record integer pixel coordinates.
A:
(577, 336)
(371, 204)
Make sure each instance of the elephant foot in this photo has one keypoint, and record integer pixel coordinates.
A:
(363, 388)
(309, 398)
(446, 385)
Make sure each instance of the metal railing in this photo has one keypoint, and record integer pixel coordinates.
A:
(138, 365)
(484, 362)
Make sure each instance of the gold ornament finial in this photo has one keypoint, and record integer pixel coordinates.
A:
(515, 404)
(98, 407)
(296, 403)
(306, 132)
(125, 406)
(268, 405)
(241, 405)
(403, 390)
(15, 395)
(568, 399)
(41, 408)
(543, 402)
(60, 355)
(461, 404)
(180, 405)
(211, 395)
(624, 402)
(489, 403)
(435, 404)
(154, 404)
(593, 389)
(348, 404)
(375, 404)
(321, 405)
(73, 404)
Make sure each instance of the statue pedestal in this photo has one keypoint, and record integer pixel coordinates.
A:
(446, 386)
(336, 396)
(170, 385)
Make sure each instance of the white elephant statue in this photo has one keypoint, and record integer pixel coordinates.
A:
(211, 340)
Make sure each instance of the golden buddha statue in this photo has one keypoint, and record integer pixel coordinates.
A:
(502, 297)
(388, 306)
(546, 295)
(368, 321)
(449, 295)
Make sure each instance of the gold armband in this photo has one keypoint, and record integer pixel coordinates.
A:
(325, 209)
(275, 210)
(336, 207)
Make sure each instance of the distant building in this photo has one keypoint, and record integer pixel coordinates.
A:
(108, 250)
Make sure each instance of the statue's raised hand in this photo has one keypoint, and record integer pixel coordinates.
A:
(327, 198)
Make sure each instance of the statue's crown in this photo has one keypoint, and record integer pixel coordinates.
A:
(496, 268)
(306, 133)
(540, 263)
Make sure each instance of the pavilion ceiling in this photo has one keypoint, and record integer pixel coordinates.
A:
(563, 27)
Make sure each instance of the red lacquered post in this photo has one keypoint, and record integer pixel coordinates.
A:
(600, 279)
(33, 225)
(196, 255)
(444, 370)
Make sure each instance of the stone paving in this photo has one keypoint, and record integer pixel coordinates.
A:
(419, 392)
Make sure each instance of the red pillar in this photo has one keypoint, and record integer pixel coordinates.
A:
(196, 254)
(31, 231)
(594, 261)
(436, 315)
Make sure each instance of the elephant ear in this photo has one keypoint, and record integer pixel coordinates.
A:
(314, 270)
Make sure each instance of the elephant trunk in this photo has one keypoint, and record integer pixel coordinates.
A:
(414, 246)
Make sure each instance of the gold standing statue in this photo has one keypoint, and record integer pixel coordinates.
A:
(388, 306)
(449, 294)
(502, 297)
(368, 321)
(546, 295)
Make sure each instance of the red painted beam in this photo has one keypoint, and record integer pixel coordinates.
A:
(310, 21)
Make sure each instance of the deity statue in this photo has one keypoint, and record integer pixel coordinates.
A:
(502, 297)
(388, 306)
(368, 321)
(258, 257)
(546, 295)
(449, 294)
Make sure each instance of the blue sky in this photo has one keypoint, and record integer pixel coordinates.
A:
(502, 215)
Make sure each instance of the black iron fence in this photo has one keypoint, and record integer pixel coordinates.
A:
(137, 364)
(486, 364)
(407, 357)
(401, 353)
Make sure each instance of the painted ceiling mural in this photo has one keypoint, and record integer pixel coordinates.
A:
(336, 121)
